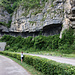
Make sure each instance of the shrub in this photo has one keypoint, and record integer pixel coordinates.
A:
(28, 59)
(10, 54)
(66, 44)
(39, 42)
(14, 55)
(5, 53)
(55, 42)
(18, 56)
(11, 50)
(72, 47)
(15, 49)
(67, 37)
(7, 48)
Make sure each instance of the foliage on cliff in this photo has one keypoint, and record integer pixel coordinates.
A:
(11, 5)
(50, 43)
(6, 24)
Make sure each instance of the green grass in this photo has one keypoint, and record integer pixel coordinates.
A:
(56, 53)
(50, 53)
(29, 68)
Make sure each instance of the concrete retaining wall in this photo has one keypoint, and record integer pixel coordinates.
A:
(2, 46)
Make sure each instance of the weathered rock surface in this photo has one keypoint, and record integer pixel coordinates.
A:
(69, 15)
(3, 29)
(50, 15)
(53, 14)
(4, 15)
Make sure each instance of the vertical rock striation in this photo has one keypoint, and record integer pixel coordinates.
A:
(4, 15)
(69, 15)
(51, 19)
(51, 15)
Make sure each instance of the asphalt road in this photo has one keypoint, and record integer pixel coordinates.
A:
(9, 67)
(70, 61)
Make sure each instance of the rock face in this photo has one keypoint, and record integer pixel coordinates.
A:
(72, 18)
(3, 28)
(50, 15)
(4, 15)
(48, 19)
(4, 18)
(69, 15)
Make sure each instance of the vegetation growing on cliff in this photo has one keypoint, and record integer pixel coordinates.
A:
(6, 24)
(11, 5)
(50, 43)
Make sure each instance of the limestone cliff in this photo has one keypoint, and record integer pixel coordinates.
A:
(4, 15)
(50, 15)
(69, 15)
(54, 18)
(4, 19)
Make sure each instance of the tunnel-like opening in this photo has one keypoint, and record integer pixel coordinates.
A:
(52, 29)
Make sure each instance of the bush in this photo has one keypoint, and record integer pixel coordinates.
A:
(11, 50)
(39, 42)
(28, 59)
(7, 48)
(66, 44)
(15, 49)
(10, 54)
(14, 55)
(5, 53)
(55, 42)
(18, 56)
(73, 46)
(67, 37)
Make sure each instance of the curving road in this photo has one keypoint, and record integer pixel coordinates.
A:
(70, 61)
(9, 67)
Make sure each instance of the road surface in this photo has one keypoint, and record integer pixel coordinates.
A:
(9, 67)
(70, 61)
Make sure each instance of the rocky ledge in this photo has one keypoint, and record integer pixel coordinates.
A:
(55, 14)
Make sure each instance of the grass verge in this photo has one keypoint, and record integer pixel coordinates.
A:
(49, 53)
(29, 68)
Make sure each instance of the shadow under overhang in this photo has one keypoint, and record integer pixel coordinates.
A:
(47, 27)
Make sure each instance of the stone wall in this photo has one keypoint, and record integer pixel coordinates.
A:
(2, 46)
